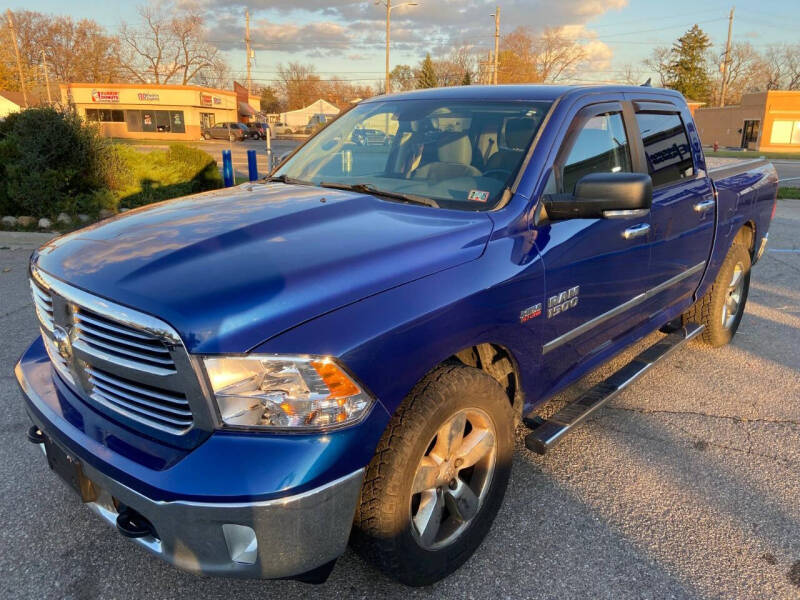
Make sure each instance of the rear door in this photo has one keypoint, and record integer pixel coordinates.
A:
(595, 269)
(683, 213)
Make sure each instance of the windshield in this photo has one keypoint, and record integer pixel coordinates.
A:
(462, 154)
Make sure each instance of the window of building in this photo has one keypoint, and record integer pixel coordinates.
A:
(176, 121)
(133, 118)
(206, 120)
(105, 115)
(666, 147)
(785, 132)
(600, 147)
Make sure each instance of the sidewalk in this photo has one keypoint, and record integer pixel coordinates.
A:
(14, 240)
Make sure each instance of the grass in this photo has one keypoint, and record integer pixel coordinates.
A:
(786, 193)
(747, 154)
(162, 174)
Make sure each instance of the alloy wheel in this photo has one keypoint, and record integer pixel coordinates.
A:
(733, 298)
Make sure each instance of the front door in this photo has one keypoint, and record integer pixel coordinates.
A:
(595, 269)
(683, 211)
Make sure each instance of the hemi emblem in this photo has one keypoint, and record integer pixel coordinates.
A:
(562, 301)
(530, 313)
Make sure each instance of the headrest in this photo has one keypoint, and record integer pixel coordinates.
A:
(519, 132)
(454, 147)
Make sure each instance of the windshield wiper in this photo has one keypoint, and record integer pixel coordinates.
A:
(286, 179)
(366, 188)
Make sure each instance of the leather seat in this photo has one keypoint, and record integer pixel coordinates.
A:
(519, 133)
(454, 154)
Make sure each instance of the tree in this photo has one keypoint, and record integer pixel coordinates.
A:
(688, 65)
(167, 46)
(467, 79)
(403, 79)
(548, 57)
(781, 67)
(744, 73)
(659, 62)
(300, 84)
(269, 102)
(427, 74)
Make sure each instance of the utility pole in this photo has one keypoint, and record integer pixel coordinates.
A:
(249, 52)
(726, 60)
(19, 61)
(46, 79)
(496, 16)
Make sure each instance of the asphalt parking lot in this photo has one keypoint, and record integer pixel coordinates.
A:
(686, 486)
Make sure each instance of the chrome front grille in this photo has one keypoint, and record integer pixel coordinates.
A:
(139, 349)
(124, 363)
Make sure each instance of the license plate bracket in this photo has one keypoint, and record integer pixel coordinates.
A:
(70, 470)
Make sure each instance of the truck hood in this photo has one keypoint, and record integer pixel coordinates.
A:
(232, 268)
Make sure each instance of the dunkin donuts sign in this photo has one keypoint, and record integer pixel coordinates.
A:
(105, 96)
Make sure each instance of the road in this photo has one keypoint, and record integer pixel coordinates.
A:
(686, 486)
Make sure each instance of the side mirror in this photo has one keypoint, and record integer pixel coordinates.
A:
(598, 194)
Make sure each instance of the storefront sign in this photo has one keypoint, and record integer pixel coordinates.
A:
(147, 97)
(105, 96)
(206, 99)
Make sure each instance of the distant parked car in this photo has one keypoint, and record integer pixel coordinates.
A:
(258, 131)
(281, 129)
(370, 137)
(226, 130)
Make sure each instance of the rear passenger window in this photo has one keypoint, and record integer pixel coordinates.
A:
(666, 147)
(600, 147)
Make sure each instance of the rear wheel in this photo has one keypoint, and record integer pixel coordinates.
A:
(722, 307)
(438, 476)
(206, 136)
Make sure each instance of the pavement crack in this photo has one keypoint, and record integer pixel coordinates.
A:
(644, 411)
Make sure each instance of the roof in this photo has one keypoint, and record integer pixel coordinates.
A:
(15, 97)
(162, 86)
(545, 92)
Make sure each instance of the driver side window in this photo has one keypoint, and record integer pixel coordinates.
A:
(601, 146)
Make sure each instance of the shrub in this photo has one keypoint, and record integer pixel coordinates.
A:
(52, 162)
(162, 174)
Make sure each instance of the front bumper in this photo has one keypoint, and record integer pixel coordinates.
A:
(264, 531)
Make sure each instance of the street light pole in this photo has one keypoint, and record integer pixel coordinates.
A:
(389, 8)
(496, 16)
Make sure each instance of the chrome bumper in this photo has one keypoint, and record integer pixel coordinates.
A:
(272, 539)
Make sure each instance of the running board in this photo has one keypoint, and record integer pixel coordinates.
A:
(547, 433)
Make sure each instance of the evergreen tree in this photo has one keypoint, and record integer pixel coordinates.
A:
(467, 80)
(427, 74)
(687, 71)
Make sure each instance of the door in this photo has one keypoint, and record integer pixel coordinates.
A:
(595, 269)
(683, 212)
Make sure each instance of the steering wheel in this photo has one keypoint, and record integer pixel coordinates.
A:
(504, 173)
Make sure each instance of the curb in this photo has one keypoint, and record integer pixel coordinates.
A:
(13, 240)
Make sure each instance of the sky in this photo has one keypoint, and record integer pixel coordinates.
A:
(345, 38)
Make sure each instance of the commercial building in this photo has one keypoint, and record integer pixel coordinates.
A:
(298, 119)
(173, 112)
(764, 121)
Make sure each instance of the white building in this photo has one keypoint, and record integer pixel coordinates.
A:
(297, 119)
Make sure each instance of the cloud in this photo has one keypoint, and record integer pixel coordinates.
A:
(331, 27)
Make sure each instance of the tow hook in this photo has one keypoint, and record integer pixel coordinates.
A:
(35, 435)
(133, 525)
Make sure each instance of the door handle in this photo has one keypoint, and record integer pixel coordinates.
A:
(704, 206)
(636, 231)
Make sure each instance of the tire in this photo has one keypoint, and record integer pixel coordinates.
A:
(206, 136)
(718, 310)
(387, 529)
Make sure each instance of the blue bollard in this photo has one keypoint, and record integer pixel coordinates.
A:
(227, 168)
(252, 167)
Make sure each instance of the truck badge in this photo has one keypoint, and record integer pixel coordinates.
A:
(530, 313)
(562, 301)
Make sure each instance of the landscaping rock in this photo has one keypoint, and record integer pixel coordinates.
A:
(9, 221)
(25, 221)
(122, 210)
(84, 218)
(64, 219)
(105, 213)
(45, 223)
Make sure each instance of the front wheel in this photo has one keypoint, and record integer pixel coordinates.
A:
(722, 307)
(438, 476)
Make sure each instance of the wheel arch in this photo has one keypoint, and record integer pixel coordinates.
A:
(500, 364)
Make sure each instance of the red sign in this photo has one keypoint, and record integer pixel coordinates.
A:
(147, 97)
(206, 99)
(105, 96)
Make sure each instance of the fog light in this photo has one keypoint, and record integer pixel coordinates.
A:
(242, 543)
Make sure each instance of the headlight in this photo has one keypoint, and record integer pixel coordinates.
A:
(294, 392)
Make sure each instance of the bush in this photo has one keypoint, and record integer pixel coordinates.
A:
(162, 174)
(51, 162)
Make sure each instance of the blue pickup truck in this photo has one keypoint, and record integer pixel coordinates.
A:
(244, 381)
